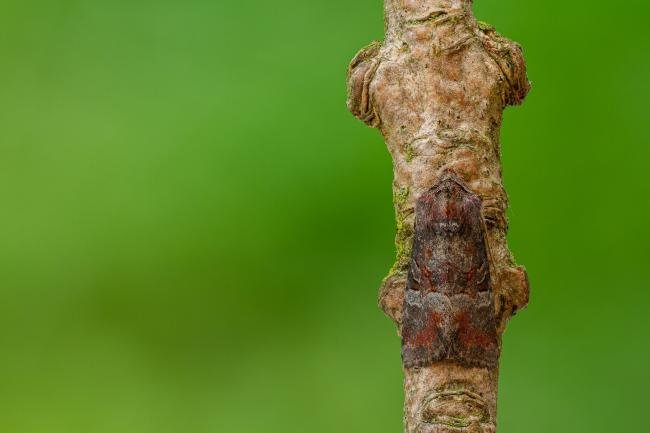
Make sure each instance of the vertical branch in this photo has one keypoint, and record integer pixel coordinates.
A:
(436, 88)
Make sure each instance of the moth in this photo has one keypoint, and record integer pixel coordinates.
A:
(449, 310)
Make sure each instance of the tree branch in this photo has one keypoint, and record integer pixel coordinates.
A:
(436, 88)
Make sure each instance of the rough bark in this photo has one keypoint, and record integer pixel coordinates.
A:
(436, 88)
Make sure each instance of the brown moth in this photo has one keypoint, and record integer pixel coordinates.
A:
(449, 304)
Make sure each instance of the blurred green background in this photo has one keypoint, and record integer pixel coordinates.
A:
(194, 229)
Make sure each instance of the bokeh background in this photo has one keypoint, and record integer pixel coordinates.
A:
(194, 229)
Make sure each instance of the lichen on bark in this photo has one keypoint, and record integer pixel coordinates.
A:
(436, 88)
